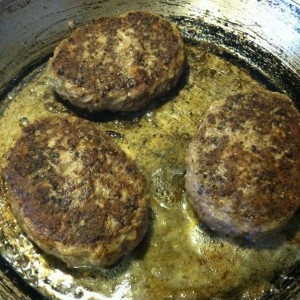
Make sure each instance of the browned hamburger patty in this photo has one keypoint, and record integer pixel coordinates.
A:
(75, 193)
(243, 166)
(118, 63)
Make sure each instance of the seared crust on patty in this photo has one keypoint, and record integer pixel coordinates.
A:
(75, 193)
(118, 63)
(243, 166)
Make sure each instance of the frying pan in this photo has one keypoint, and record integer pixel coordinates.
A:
(264, 35)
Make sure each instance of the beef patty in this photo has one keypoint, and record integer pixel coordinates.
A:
(118, 63)
(75, 193)
(243, 166)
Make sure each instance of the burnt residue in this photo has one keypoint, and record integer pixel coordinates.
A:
(238, 47)
(286, 286)
(17, 288)
(115, 134)
(11, 6)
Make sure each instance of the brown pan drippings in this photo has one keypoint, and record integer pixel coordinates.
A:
(179, 257)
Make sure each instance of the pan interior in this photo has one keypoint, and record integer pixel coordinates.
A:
(179, 258)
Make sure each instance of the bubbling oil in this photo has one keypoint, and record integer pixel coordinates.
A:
(179, 258)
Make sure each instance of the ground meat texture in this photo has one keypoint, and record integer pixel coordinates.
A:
(118, 63)
(75, 193)
(243, 165)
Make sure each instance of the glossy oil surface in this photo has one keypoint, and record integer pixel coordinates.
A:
(179, 258)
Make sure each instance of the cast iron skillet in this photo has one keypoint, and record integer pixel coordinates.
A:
(263, 34)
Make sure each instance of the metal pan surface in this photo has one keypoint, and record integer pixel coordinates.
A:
(232, 46)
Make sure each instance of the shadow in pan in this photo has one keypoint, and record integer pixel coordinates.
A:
(107, 116)
(268, 241)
